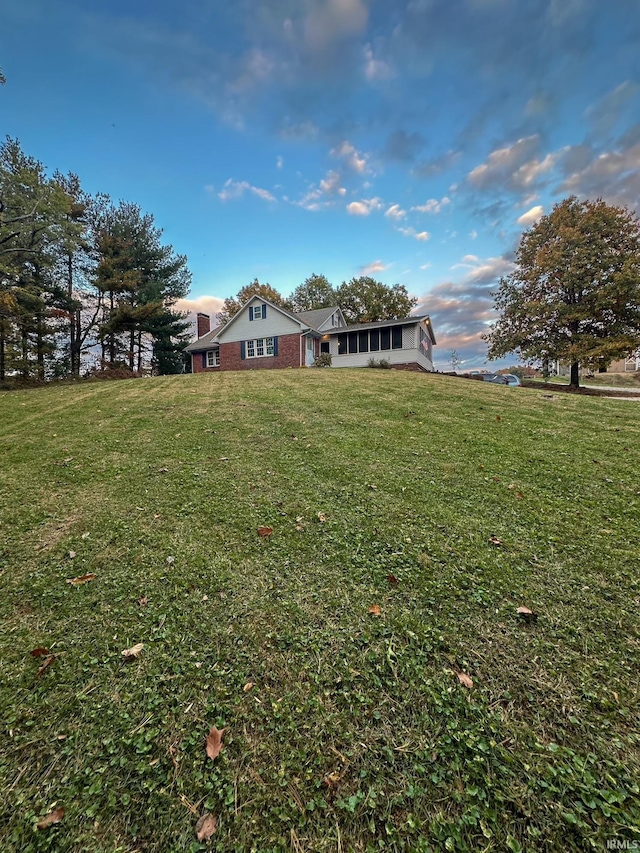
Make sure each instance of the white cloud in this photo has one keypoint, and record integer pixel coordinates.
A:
(531, 216)
(353, 159)
(417, 235)
(236, 189)
(279, 163)
(364, 207)
(425, 266)
(375, 69)
(396, 212)
(473, 234)
(324, 195)
(375, 266)
(432, 205)
(503, 163)
(207, 304)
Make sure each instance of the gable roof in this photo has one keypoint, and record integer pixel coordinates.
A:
(284, 311)
(316, 317)
(204, 342)
(403, 321)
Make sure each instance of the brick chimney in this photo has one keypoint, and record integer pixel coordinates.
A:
(204, 324)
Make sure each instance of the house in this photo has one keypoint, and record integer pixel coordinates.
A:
(263, 335)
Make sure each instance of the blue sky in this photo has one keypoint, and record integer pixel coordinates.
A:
(412, 140)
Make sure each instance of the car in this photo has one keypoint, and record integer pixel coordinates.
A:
(501, 379)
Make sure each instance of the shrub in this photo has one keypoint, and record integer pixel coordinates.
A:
(383, 363)
(323, 360)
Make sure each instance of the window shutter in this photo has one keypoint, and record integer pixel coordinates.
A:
(242, 348)
(204, 359)
(250, 316)
(264, 312)
(275, 346)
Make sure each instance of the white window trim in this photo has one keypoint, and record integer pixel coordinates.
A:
(264, 344)
(259, 308)
(213, 358)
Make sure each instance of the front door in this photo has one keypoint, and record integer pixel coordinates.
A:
(309, 353)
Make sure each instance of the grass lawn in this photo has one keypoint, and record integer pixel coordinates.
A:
(377, 687)
(616, 380)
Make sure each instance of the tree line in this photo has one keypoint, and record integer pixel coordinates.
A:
(362, 299)
(82, 278)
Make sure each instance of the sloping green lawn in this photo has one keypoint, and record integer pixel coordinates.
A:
(440, 505)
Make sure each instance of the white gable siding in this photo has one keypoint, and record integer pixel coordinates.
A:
(275, 323)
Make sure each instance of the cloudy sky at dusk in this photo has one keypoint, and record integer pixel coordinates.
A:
(412, 140)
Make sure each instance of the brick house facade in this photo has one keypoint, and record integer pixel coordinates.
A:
(263, 336)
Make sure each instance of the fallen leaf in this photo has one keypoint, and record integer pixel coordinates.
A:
(143, 600)
(133, 652)
(171, 560)
(495, 541)
(393, 580)
(85, 535)
(39, 652)
(265, 532)
(465, 679)
(299, 527)
(248, 686)
(332, 780)
(496, 479)
(163, 470)
(322, 517)
(527, 615)
(498, 418)
(82, 579)
(72, 554)
(375, 610)
(299, 518)
(205, 827)
(519, 495)
(372, 486)
(198, 664)
(157, 515)
(53, 817)
(47, 663)
(214, 742)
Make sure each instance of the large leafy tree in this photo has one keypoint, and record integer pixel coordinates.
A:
(574, 294)
(315, 292)
(232, 304)
(365, 300)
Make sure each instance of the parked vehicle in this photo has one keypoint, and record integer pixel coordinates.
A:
(501, 379)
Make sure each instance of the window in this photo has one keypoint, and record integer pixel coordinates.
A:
(324, 346)
(260, 347)
(213, 358)
(385, 338)
(363, 341)
(259, 312)
(342, 344)
(353, 342)
(396, 337)
(374, 337)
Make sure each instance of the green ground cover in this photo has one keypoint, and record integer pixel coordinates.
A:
(445, 504)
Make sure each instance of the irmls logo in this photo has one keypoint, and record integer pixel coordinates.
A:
(622, 844)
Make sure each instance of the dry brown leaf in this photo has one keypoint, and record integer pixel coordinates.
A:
(205, 827)
(82, 579)
(171, 560)
(163, 470)
(248, 686)
(498, 418)
(299, 518)
(322, 517)
(496, 479)
(39, 652)
(465, 679)
(374, 610)
(72, 554)
(495, 541)
(85, 535)
(519, 495)
(265, 532)
(213, 742)
(527, 615)
(133, 652)
(393, 580)
(47, 663)
(53, 817)
(332, 780)
(143, 600)
(299, 527)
